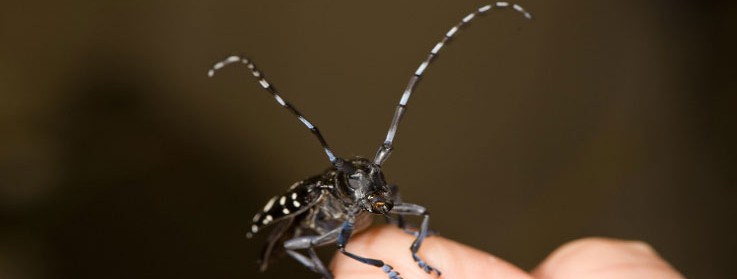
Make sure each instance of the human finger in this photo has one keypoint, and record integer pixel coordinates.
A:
(603, 258)
(391, 245)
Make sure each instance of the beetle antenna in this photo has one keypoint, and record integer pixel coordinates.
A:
(270, 88)
(385, 148)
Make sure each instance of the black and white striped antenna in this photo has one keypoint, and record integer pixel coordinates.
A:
(270, 88)
(385, 149)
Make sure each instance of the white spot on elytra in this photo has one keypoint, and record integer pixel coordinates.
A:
(502, 4)
(254, 228)
(285, 211)
(296, 204)
(264, 83)
(282, 200)
(269, 204)
(267, 220)
(256, 217)
(484, 8)
(294, 196)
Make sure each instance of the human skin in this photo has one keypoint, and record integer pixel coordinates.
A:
(591, 258)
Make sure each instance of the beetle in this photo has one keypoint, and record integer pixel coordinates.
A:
(329, 207)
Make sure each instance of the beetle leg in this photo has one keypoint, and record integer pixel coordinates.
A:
(413, 209)
(399, 221)
(309, 243)
(313, 262)
(345, 233)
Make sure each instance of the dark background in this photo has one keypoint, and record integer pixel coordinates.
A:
(119, 158)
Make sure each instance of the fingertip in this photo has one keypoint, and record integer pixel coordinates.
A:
(605, 258)
(391, 245)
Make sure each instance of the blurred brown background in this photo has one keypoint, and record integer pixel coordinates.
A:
(119, 158)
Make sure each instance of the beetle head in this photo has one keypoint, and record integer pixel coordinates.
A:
(363, 182)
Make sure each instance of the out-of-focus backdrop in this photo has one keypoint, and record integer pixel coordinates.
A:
(119, 158)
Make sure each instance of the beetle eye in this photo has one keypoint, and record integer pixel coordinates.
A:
(353, 183)
(354, 180)
(357, 174)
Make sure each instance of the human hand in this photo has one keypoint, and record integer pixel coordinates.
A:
(598, 258)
